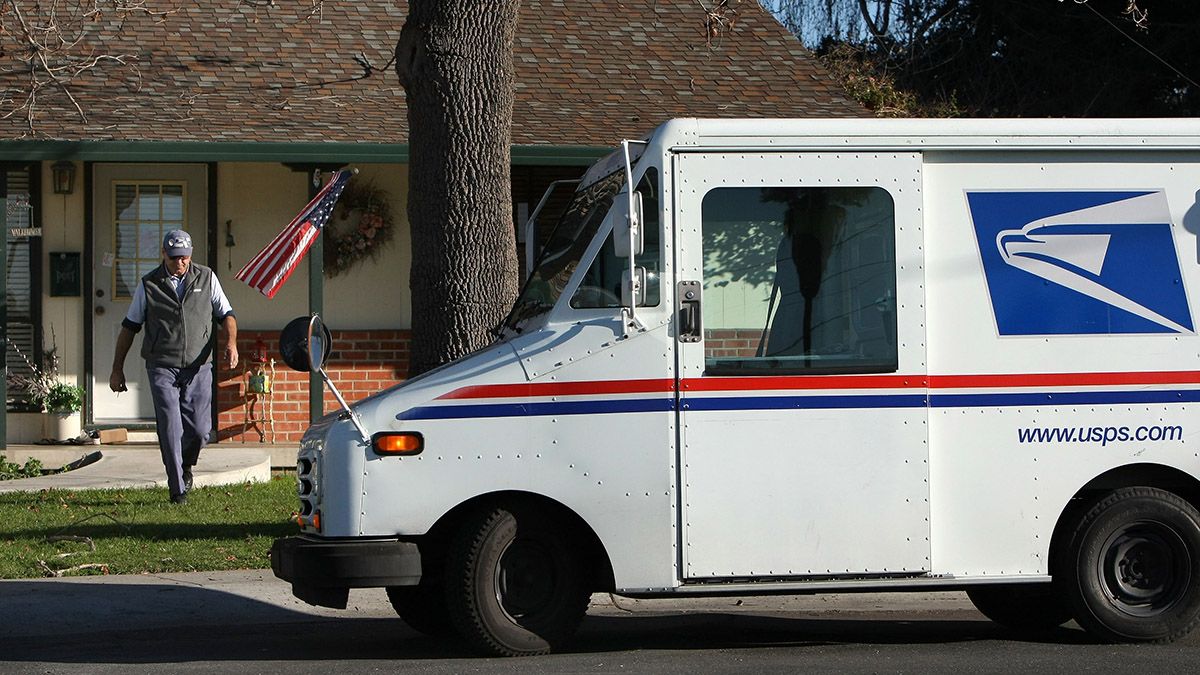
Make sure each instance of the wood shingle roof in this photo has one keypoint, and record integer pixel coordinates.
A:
(588, 72)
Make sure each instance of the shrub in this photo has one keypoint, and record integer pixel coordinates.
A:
(11, 470)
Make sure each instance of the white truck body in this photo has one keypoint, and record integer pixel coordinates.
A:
(1002, 320)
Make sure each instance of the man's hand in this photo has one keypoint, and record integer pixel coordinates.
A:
(116, 381)
(229, 354)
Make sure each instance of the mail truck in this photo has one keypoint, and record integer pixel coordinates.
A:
(805, 356)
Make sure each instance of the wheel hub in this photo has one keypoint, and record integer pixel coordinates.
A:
(1144, 568)
(526, 579)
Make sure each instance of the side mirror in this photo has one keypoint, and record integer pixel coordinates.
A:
(633, 287)
(305, 344)
(318, 343)
(302, 339)
(627, 224)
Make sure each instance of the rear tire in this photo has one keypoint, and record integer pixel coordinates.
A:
(1132, 569)
(515, 583)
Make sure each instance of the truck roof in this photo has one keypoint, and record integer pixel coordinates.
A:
(931, 134)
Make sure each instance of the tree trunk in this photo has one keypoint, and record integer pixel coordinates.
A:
(455, 62)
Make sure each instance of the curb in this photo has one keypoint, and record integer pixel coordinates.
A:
(282, 456)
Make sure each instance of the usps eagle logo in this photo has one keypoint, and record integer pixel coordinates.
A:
(1080, 263)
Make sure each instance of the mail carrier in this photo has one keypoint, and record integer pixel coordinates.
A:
(802, 356)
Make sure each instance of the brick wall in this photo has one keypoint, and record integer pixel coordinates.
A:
(362, 362)
(731, 342)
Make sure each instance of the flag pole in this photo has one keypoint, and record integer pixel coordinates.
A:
(316, 300)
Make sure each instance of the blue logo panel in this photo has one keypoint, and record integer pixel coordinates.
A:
(1080, 263)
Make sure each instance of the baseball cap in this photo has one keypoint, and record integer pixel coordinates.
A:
(177, 243)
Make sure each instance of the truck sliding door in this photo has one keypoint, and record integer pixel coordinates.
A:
(803, 406)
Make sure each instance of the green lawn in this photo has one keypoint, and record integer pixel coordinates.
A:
(134, 531)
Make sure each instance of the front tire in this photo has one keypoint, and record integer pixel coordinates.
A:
(1133, 567)
(515, 583)
(1028, 608)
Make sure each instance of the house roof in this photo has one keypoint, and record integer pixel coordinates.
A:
(588, 73)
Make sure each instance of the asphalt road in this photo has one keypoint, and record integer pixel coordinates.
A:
(247, 623)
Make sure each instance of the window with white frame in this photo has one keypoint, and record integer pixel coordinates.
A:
(143, 212)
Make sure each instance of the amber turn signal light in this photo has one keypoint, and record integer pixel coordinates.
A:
(398, 443)
(313, 521)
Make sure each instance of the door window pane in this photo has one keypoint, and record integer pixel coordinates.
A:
(142, 214)
(126, 277)
(799, 280)
(149, 204)
(123, 202)
(150, 236)
(172, 203)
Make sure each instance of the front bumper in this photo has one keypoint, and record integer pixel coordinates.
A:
(322, 571)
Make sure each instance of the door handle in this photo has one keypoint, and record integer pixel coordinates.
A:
(688, 299)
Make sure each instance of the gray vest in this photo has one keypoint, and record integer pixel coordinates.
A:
(178, 334)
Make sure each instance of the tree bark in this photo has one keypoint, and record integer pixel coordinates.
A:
(455, 62)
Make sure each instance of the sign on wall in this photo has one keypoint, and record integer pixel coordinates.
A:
(64, 274)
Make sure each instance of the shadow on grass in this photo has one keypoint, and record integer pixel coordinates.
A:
(140, 623)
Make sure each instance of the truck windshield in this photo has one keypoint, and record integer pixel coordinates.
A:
(568, 241)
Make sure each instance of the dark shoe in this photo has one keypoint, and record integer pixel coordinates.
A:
(179, 499)
(187, 478)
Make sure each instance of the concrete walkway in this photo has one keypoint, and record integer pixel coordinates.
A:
(140, 466)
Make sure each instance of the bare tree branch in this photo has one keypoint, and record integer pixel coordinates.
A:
(719, 19)
(879, 32)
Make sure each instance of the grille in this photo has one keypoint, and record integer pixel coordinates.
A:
(307, 484)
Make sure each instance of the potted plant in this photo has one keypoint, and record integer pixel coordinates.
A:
(58, 400)
(61, 403)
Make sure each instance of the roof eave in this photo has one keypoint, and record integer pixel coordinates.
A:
(215, 151)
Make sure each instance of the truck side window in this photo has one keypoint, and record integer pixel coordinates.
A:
(601, 286)
(799, 280)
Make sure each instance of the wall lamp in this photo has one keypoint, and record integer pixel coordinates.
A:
(64, 177)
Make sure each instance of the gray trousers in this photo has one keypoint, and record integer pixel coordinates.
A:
(183, 413)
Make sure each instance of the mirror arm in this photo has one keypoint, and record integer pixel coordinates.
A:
(318, 351)
(632, 322)
(341, 401)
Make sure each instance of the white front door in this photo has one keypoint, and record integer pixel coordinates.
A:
(803, 398)
(134, 206)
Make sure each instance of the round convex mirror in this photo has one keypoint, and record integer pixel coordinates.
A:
(294, 343)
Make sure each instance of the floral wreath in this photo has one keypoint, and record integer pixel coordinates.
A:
(345, 246)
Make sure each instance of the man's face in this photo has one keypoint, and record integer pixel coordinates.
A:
(178, 265)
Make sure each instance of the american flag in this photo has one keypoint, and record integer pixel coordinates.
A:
(274, 264)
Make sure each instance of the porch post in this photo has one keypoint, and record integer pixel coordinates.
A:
(316, 303)
(314, 173)
(4, 306)
(210, 239)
